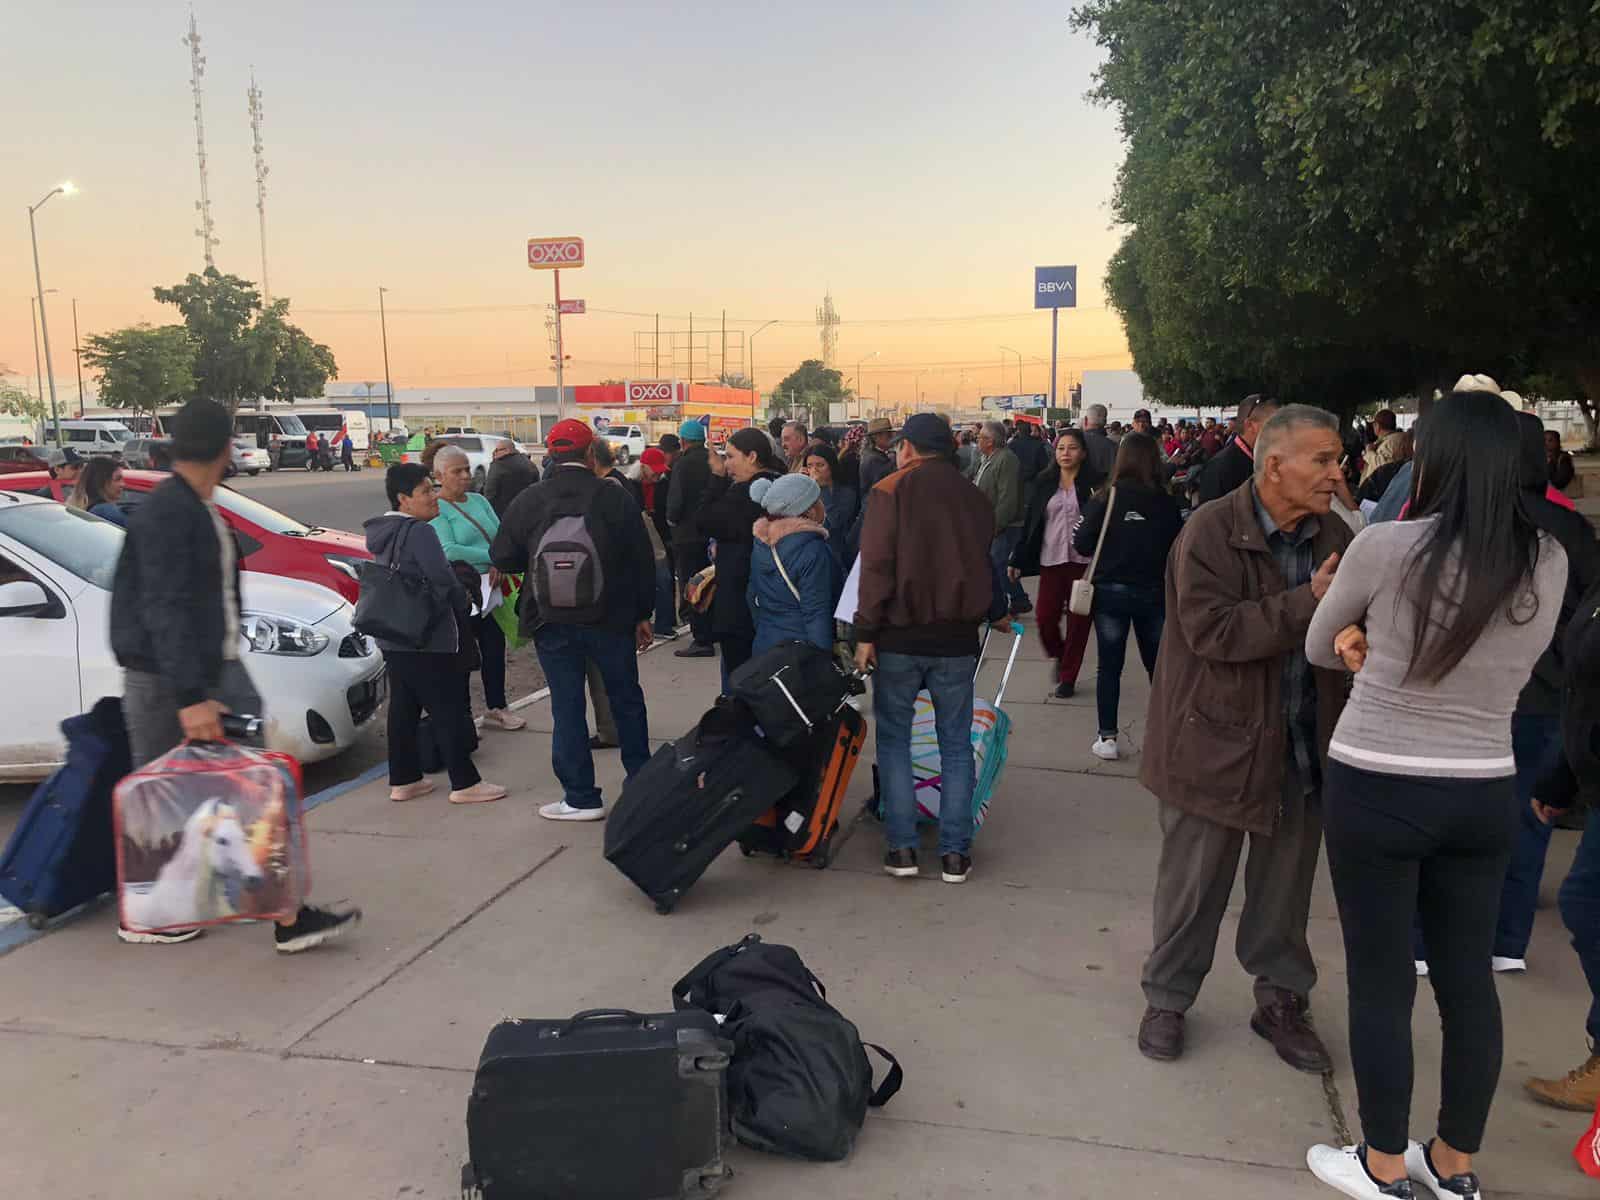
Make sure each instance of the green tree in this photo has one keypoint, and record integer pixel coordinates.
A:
(19, 402)
(143, 368)
(812, 386)
(303, 366)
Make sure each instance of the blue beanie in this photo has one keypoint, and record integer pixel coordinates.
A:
(692, 431)
(787, 495)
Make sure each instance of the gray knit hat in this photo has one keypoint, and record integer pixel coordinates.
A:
(786, 496)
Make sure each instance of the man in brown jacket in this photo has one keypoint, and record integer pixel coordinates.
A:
(926, 586)
(1238, 724)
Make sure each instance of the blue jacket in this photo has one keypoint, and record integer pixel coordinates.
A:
(811, 567)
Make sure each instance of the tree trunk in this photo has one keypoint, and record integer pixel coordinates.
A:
(1589, 401)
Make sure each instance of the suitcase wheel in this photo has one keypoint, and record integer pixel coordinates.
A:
(823, 854)
(37, 919)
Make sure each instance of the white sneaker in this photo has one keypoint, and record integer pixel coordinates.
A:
(1422, 968)
(1341, 1168)
(1502, 965)
(562, 811)
(1106, 748)
(1458, 1187)
(499, 718)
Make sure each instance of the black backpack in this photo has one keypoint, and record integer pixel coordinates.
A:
(792, 690)
(800, 1083)
(566, 570)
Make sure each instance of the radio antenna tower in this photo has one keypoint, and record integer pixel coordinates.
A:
(261, 180)
(828, 328)
(197, 68)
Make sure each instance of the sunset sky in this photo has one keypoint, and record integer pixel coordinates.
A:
(916, 159)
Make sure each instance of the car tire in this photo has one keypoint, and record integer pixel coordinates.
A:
(255, 472)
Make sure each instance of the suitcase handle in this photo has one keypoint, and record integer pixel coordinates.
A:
(604, 1015)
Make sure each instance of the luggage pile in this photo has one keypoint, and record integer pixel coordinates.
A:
(752, 1048)
(767, 766)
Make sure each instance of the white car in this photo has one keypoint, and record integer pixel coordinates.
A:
(249, 458)
(320, 682)
(479, 450)
(628, 441)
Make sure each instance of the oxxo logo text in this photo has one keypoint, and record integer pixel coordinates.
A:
(545, 253)
(658, 391)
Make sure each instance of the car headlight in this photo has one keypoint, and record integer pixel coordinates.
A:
(340, 563)
(267, 634)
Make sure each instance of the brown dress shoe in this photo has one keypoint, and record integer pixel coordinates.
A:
(1161, 1034)
(1577, 1091)
(1284, 1023)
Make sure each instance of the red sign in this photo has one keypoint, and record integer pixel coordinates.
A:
(546, 254)
(569, 307)
(652, 391)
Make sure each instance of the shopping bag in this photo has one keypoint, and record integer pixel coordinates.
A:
(210, 832)
(1587, 1151)
(505, 615)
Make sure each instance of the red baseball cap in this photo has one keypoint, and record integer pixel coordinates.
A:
(654, 459)
(568, 435)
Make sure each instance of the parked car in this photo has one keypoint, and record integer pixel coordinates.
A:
(248, 457)
(628, 441)
(148, 453)
(321, 682)
(281, 434)
(479, 451)
(16, 456)
(270, 542)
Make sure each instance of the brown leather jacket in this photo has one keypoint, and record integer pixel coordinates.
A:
(1217, 739)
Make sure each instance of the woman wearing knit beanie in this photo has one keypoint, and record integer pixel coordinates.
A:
(794, 576)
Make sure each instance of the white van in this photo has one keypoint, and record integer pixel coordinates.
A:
(327, 422)
(100, 437)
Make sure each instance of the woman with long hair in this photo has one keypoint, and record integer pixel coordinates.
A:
(840, 501)
(1130, 573)
(1441, 618)
(1057, 498)
(98, 490)
(728, 515)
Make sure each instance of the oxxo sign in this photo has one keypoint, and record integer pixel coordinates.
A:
(546, 254)
(1055, 287)
(652, 391)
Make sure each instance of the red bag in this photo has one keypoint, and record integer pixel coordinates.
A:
(1587, 1151)
(210, 833)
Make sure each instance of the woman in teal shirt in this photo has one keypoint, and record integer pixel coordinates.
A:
(466, 526)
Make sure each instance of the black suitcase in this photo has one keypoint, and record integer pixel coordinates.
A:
(610, 1105)
(792, 690)
(689, 803)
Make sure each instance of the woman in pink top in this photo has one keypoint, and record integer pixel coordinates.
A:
(1055, 501)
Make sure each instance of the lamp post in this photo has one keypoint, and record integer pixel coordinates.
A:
(388, 388)
(1018, 353)
(754, 386)
(77, 353)
(64, 189)
(859, 361)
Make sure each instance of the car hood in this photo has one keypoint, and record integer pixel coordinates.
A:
(337, 541)
(308, 603)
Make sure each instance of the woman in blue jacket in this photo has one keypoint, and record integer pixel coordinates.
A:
(794, 577)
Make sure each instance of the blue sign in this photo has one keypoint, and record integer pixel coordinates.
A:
(1055, 287)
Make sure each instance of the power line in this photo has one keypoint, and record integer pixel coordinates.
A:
(797, 323)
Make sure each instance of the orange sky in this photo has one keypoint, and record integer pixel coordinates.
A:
(918, 160)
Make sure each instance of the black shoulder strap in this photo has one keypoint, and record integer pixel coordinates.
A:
(891, 1082)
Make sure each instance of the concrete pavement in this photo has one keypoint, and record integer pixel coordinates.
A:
(219, 1068)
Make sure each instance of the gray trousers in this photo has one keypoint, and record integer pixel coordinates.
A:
(150, 707)
(1199, 860)
(604, 725)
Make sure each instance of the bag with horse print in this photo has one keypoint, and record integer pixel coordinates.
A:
(207, 833)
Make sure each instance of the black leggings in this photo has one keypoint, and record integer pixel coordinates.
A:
(1436, 849)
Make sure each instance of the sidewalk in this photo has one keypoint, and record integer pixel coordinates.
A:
(222, 1069)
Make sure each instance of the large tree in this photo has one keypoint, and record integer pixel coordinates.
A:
(19, 402)
(143, 368)
(812, 386)
(1335, 197)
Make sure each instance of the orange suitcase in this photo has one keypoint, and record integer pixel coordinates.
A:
(803, 824)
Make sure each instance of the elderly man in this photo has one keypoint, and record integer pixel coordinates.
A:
(1387, 447)
(1102, 450)
(510, 470)
(1238, 724)
(793, 443)
(876, 461)
(999, 477)
(1234, 465)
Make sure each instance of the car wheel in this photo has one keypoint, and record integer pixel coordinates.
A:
(255, 472)
(479, 477)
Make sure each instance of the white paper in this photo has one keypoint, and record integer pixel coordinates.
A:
(851, 596)
(491, 598)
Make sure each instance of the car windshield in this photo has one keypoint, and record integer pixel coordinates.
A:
(84, 545)
(259, 514)
(121, 435)
(291, 425)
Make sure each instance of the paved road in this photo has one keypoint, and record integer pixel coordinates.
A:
(337, 501)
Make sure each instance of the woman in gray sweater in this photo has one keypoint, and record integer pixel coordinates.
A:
(1441, 617)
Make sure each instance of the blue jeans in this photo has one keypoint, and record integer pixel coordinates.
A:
(1536, 745)
(1000, 558)
(563, 652)
(666, 621)
(894, 697)
(1580, 913)
(1119, 607)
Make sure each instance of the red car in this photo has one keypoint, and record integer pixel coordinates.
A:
(15, 457)
(269, 541)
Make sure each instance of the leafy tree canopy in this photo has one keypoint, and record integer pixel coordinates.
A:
(143, 368)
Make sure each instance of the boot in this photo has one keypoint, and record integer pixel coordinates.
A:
(1577, 1091)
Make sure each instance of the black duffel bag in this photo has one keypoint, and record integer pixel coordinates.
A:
(800, 1083)
(791, 689)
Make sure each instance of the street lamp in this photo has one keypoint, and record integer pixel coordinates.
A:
(859, 361)
(63, 189)
(388, 388)
(754, 386)
(1018, 353)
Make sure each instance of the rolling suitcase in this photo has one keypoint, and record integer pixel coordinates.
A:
(62, 853)
(792, 690)
(610, 1105)
(803, 824)
(690, 801)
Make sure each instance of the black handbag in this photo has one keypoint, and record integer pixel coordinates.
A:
(396, 606)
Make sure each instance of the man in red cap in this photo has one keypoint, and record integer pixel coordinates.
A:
(588, 592)
(655, 472)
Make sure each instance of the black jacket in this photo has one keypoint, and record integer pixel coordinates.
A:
(728, 514)
(1102, 451)
(1232, 468)
(166, 602)
(1144, 524)
(507, 477)
(876, 466)
(1041, 490)
(632, 486)
(1579, 771)
(1542, 693)
(658, 511)
(1032, 453)
(620, 538)
(690, 477)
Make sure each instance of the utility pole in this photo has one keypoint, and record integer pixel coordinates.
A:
(77, 351)
(254, 95)
(657, 343)
(38, 362)
(691, 349)
(207, 233)
(388, 388)
(724, 345)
